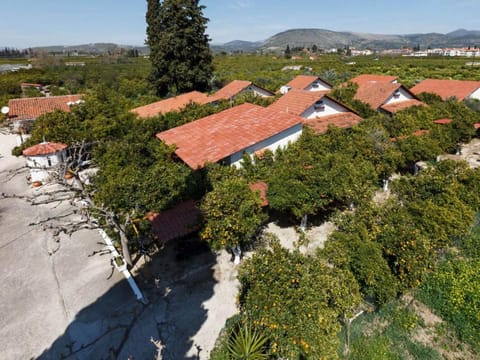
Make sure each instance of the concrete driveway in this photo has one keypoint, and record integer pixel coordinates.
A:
(60, 300)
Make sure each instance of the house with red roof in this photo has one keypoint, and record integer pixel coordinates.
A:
(177, 222)
(226, 136)
(24, 111)
(177, 103)
(459, 89)
(43, 158)
(306, 83)
(184, 219)
(384, 95)
(374, 78)
(237, 87)
(317, 108)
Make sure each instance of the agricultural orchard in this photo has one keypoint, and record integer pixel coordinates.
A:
(420, 243)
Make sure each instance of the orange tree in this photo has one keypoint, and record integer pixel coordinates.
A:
(296, 301)
(232, 213)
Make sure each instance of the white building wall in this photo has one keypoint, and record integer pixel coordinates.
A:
(40, 166)
(258, 91)
(321, 86)
(475, 94)
(280, 140)
(331, 108)
(404, 95)
(39, 175)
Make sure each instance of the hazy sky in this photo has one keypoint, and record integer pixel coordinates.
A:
(26, 23)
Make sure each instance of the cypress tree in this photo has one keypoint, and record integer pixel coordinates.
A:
(179, 51)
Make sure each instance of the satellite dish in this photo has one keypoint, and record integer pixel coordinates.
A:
(5, 110)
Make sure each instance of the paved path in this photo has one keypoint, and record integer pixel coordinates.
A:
(47, 286)
(57, 300)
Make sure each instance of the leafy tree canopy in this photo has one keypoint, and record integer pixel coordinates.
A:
(232, 212)
(296, 301)
(180, 53)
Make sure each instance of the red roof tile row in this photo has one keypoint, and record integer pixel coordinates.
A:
(443, 121)
(375, 93)
(297, 101)
(177, 103)
(183, 219)
(301, 82)
(341, 120)
(364, 78)
(230, 90)
(262, 188)
(375, 90)
(447, 88)
(401, 105)
(174, 223)
(44, 148)
(215, 137)
(171, 104)
(31, 108)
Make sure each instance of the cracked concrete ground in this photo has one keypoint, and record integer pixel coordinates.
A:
(57, 300)
(43, 291)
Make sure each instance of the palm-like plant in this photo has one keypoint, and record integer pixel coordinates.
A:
(247, 344)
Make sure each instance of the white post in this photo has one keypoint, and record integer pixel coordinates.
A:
(303, 223)
(385, 185)
(237, 252)
(125, 272)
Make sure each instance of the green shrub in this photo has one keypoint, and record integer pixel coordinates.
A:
(454, 293)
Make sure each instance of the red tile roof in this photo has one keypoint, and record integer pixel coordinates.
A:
(301, 82)
(231, 90)
(362, 79)
(297, 101)
(420, 132)
(447, 88)
(175, 103)
(341, 120)
(401, 105)
(31, 108)
(443, 121)
(175, 223)
(262, 188)
(375, 93)
(220, 135)
(44, 148)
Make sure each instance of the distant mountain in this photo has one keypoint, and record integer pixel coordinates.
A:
(327, 39)
(91, 49)
(463, 33)
(237, 45)
(322, 38)
(334, 39)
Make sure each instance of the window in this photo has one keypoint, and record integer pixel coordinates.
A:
(396, 94)
(319, 105)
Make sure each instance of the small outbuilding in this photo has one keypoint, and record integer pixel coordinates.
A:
(43, 158)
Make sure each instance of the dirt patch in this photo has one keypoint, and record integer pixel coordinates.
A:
(290, 237)
(434, 334)
(469, 152)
